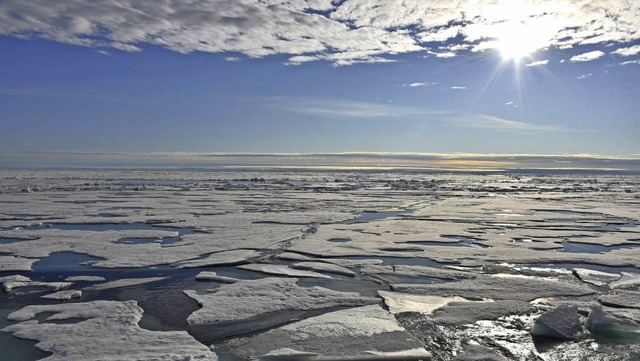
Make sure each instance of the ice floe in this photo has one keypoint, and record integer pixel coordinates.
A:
(54, 286)
(213, 276)
(281, 270)
(504, 288)
(561, 323)
(64, 295)
(231, 257)
(405, 302)
(594, 277)
(245, 299)
(103, 330)
(85, 279)
(324, 267)
(363, 333)
(621, 298)
(124, 282)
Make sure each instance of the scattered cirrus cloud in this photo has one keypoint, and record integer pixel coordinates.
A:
(630, 62)
(456, 87)
(592, 55)
(342, 32)
(343, 108)
(498, 123)
(584, 76)
(538, 63)
(333, 108)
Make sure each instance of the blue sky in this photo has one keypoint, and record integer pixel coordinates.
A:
(221, 76)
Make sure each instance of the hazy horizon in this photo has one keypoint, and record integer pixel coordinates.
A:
(329, 161)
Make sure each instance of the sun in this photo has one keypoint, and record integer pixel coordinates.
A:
(517, 40)
(523, 28)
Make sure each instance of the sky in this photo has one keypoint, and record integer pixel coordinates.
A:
(128, 77)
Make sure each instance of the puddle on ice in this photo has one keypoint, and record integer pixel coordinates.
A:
(101, 227)
(5, 240)
(339, 240)
(64, 261)
(570, 266)
(577, 247)
(368, 216)
(612, 227)
(463, 242)
(133, 240)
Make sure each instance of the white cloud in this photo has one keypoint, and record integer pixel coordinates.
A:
(459, 87)
(343, 32)
(232, 58)
(538, 63)
(592, 55)
(633, 50)
(584, 76)
(630, 62)
(445, 55)
(417, 84)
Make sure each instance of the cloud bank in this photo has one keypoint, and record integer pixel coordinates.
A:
(341, 32)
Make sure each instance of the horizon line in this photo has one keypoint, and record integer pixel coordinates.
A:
(318, 160)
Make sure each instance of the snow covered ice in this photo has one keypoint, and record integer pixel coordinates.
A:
(319, 265)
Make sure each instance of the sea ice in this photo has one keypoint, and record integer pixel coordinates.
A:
(245, 299)
(124, 282)
(54, 286)
(504, 288)
(85, 279)
(596, 278)
(107, 331)
(281, 270)
(605, 324)
(460, 313)
(475, 352)
(14, 278)
(15, 263)
(324, 267)
(627, 280)
(406, 302)
(231, 257)
(621, 298)
(64, 295)
(562, 322)
(363, 333)
(212, 276)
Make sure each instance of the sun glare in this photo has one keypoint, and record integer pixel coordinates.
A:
(514, 44)
(523, 31)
